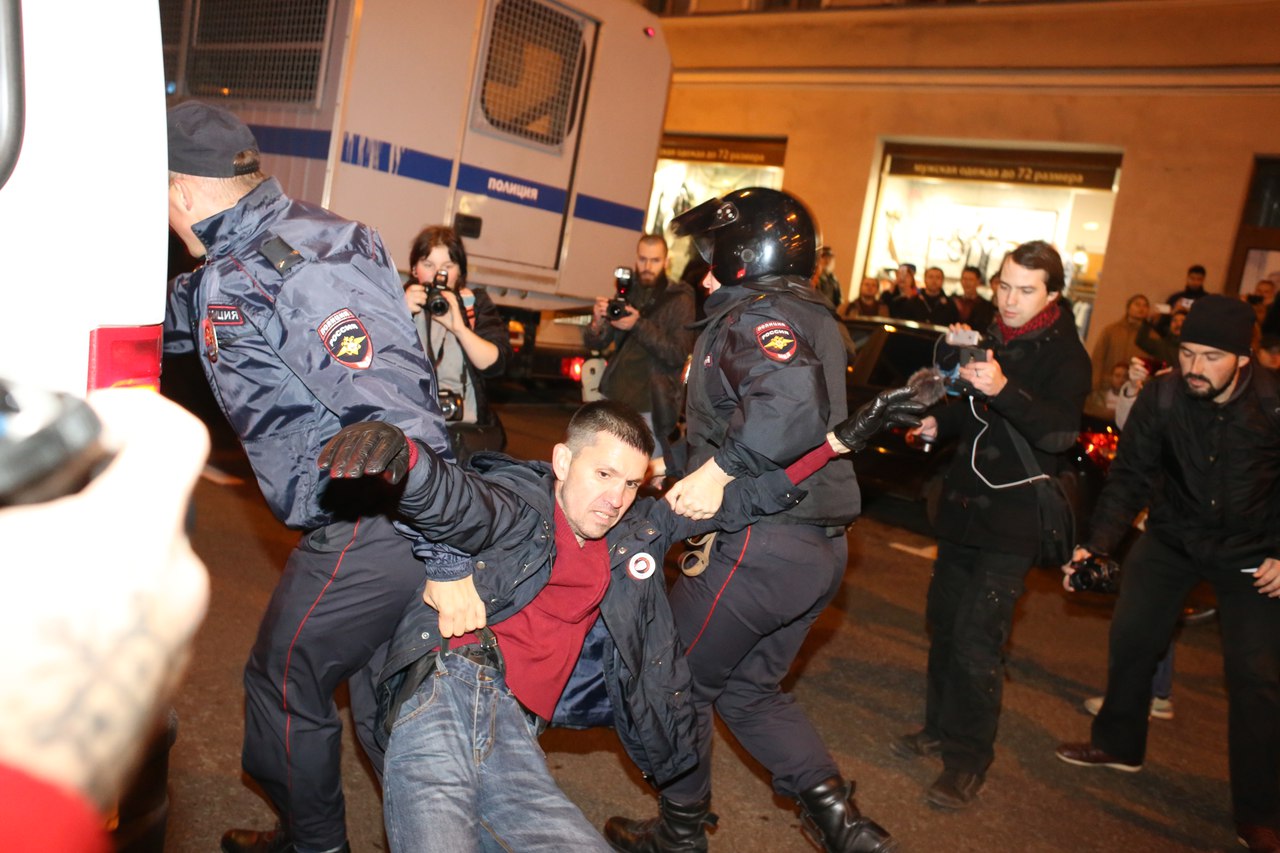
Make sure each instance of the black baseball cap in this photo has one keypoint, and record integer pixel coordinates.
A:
(204, 141)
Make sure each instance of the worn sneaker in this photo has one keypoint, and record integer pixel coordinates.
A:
(1088, 755)
(1161, 709)
(919, 744)
(1259, 839)
(955, 789)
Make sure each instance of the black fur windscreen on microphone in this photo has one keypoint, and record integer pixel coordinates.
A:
(928, 385)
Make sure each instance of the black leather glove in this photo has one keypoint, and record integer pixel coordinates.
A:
(369, 448)
(890, 408)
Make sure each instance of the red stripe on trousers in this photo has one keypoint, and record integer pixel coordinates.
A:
(284, 684)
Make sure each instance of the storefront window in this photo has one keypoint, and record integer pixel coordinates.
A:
(692, 169)
(949, 207)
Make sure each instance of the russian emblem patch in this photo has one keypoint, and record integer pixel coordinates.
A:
(776, 340)
(344, 336)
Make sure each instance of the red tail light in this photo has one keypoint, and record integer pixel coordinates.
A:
(1100, 446)
(124, 356)
(571, 368)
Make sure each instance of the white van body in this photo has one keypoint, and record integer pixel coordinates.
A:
(531, 125)
(83, 217)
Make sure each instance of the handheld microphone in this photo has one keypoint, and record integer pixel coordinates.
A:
(928, 385)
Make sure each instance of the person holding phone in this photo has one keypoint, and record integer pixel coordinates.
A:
(1033, 380)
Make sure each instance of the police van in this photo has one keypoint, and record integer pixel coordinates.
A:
(531, 126)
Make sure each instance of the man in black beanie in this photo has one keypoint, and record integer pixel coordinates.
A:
(1201, 449)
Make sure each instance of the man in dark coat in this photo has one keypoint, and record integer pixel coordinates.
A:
(1201, 448)
(651, 342)
(1033, 383)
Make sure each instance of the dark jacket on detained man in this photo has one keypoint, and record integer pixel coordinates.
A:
(1049, 376)
(631, 674)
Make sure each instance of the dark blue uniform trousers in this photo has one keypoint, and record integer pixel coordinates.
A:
(1154, 584)
(743, 621)
(337, 603)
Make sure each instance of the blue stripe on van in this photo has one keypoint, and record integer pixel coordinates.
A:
(292, 141)
(473, 179)
(382, 156)
(607, 212)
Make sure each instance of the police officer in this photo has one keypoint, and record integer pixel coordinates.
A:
(766, 383)
(299, 320)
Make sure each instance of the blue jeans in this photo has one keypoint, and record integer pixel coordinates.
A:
(464, 772)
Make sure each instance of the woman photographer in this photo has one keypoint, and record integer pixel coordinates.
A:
(464, 337)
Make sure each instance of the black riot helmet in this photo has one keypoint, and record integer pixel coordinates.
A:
(752, 233)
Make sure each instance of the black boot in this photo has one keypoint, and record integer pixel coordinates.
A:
(676, 829)
(832, 819)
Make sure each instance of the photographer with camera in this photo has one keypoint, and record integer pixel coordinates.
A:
(645, 322)
(1027, 385)
(1201, 449)
(464, 337)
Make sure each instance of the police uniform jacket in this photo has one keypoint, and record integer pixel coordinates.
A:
(1049, 376)
(632, 673)
(299, 318)
(1209, 473)
(766, 383)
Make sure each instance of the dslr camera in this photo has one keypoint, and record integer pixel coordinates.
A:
(437, 305)
(617, 307)
(1096, 574)
(451, 404)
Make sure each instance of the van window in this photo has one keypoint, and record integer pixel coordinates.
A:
(533, 71)
(247, 49)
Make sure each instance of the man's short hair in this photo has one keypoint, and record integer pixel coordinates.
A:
(826, 252)
(617, 419)
(1195, 269)
(653, 240)
(981, 278)
(931, 269)
(1132, 299)
(1039, 255)
(439, 235)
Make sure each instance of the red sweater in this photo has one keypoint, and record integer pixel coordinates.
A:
(42, 818)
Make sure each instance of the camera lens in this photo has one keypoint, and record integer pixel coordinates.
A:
(437, 305)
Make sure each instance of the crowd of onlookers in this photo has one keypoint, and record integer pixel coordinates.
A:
(1141, 343)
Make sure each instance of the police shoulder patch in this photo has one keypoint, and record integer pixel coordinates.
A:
(344, 336)
(776, 340)
(225, 315)
(280, 254)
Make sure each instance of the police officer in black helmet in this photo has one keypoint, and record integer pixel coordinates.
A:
(766, 383)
